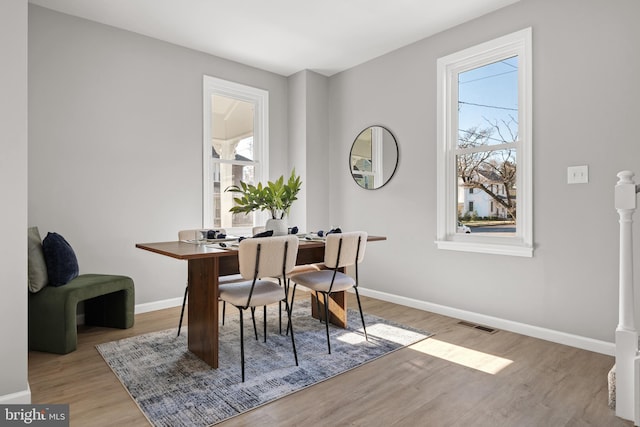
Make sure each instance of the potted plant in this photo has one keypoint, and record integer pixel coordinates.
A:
(275, 197)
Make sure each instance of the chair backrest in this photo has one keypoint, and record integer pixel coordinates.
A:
(272, 256)
(191, 234)
(353, 246)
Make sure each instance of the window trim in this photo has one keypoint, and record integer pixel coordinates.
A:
(260, 98)
(448, 67)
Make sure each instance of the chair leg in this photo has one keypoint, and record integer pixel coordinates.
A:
(361, 315)
(224, 308)
(290, 327)
(288, 309)
(318, 304)
(287, 286)
(241, 343)
(280, 306)
(293, 295)
(253, 318)
(325, 298)
(265, 323)
(184, 302)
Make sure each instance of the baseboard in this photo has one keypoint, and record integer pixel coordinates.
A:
(572, 340)
(577, 341)
(158, 305)
(18, 398)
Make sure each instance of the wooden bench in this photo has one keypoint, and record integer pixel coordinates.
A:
(108, 301)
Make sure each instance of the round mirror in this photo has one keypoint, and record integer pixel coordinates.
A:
(374, 157)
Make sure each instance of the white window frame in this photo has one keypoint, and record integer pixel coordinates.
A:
(448, 67)
(260, 99)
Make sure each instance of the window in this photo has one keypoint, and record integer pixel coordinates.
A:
(235, 147)
(484, 147)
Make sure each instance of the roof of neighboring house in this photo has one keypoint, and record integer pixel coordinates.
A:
(491, 176)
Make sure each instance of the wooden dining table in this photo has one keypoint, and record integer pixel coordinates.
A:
(206, 263)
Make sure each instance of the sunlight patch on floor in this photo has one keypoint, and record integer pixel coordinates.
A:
(391, 333)
(474, 359)
(351, 338)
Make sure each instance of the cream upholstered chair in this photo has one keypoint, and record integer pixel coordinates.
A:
(296, 269)
(341, 250)
(262, 257)
(191, 235)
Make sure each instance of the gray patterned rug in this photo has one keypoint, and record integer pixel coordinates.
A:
(174, 388)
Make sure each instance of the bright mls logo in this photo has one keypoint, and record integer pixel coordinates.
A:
(35, 415)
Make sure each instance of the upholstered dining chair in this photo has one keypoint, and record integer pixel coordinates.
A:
(270, 257)
(341, 250)
(191, 235)
(296, 269)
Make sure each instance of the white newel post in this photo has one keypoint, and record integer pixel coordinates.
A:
(626, 332)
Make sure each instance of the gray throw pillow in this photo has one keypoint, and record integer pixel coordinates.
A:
(38, 278)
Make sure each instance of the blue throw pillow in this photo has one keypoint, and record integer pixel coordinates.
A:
(62, 264)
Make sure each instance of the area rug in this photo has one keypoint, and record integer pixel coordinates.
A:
(173, 387)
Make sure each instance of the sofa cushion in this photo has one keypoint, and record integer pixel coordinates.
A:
(62, 264)
(38, 278)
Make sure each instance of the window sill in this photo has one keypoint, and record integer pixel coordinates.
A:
(511, 249)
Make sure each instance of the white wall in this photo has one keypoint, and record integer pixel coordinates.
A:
(297, 121)
(585, 109)
(309, 148)
(14, 387)
(318, 153)
(115, 135)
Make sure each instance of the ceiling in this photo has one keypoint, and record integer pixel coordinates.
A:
(283, 36)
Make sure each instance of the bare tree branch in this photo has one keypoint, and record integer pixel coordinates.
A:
(485, 169)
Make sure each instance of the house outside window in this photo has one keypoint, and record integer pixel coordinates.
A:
(484, 147)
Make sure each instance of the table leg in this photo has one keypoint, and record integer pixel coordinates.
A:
(337, 308)
(203, 309)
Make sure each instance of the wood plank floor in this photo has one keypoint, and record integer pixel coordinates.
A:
(459, 377)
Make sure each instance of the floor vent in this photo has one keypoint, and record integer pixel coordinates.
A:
(478, 327)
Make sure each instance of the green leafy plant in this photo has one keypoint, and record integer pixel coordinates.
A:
(275, 197)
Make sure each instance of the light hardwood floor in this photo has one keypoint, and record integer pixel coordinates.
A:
(459, 377)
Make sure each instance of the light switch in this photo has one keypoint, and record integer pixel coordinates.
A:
(578, 174)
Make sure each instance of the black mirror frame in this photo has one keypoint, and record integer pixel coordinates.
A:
(395, 168)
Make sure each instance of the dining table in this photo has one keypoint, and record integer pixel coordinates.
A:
(207, 261)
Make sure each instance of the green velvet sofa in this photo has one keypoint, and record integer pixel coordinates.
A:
(56, 288)
(108, 301)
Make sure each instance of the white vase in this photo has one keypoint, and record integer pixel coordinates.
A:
(280, 227)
